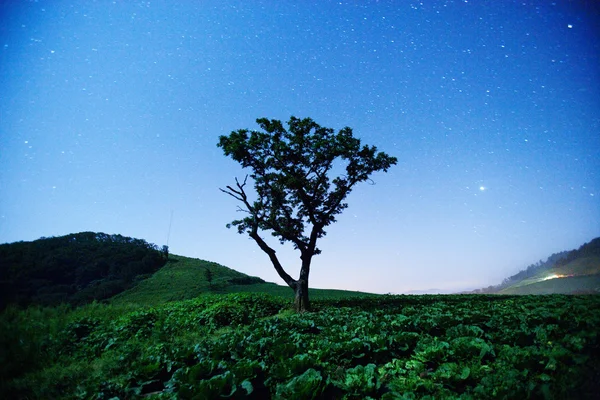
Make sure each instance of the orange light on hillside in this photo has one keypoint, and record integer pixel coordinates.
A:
(554, 276)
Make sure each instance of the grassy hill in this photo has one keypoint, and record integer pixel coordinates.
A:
(568, 272)
(580, 266)
(80, 268)
(588, 284)
(581, 275)
(84, 267)
(185, 278)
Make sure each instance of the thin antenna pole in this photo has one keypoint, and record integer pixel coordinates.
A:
(170, 223)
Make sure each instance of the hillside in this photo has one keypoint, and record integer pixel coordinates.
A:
(185, 278)
(584, 284)
(83, 267)
(579, 276)
(568, 272)
(76, 268)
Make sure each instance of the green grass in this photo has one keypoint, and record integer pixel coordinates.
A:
(184, 278)
(285, 291)
(181, 278)
(570, 285)
(586, 279)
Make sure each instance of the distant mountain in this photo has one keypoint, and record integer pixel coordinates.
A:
(568, 272)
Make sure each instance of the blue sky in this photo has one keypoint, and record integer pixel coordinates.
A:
(110, 113)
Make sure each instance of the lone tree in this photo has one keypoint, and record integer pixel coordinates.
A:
(296, 199)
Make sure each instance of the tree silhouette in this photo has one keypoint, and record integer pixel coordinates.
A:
(295, 197)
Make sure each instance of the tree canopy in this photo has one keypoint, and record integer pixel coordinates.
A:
(296, 199)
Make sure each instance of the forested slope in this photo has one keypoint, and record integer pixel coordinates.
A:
(75, 268)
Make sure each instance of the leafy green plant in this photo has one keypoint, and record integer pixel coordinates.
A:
(307, 386)
(244, 346)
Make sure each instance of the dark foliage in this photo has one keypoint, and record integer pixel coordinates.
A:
(249, 346)
(75, 268)
(208, 275)
(590, 249)
(246, 280)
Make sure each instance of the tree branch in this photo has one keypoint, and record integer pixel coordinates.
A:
(291, 282)
(240, 194)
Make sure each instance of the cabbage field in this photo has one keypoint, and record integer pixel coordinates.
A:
(253, 346)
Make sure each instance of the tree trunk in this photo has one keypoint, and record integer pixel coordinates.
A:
(301, 296)
(301, 285)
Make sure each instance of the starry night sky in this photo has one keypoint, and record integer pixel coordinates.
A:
(110, 113)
